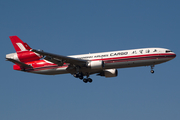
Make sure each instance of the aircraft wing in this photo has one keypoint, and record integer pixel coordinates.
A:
(19, 63)
(60, 59)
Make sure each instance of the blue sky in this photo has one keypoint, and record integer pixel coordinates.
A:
(89, 26)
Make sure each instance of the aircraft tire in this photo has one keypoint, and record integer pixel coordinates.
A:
(76, 75)
(85, 80)
(90, 80)
(152, 71)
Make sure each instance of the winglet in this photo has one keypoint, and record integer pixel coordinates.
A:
(18, 44)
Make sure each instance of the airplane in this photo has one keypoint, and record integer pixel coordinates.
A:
(103, 64)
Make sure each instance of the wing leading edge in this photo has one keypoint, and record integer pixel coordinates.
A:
(60, 59)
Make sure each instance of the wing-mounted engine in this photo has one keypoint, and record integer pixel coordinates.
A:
(109, 73)
(95, 64)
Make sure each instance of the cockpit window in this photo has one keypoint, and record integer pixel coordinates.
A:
(167, 51)
(155, 50)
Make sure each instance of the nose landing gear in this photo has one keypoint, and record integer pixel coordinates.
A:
(152, 67)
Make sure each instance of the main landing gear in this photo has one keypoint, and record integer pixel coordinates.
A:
(152, 67)
(80, 76)
(87, 80)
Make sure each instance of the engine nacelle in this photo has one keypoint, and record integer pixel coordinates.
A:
(109, 73)
(95, 64)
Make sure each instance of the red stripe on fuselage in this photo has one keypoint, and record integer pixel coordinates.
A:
(43, 65)
(138, 56)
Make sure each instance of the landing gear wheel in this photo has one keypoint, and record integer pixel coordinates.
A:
(76, 75)
(152, 67)
(85, 80)
(80, 76)
(152, 71)
(90, 80)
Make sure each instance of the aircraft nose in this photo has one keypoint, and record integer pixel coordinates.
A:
(174, 55)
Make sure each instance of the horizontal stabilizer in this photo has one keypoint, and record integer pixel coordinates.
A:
(19, 63)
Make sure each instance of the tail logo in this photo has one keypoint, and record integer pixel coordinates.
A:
(21, 46)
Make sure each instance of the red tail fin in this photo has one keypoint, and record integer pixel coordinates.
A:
(18, 44)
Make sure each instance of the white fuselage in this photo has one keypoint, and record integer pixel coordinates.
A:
(116, 59)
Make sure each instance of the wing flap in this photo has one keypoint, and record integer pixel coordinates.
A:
(55, 61)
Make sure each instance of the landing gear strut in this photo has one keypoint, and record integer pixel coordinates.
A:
(80, 75)
(152, 67)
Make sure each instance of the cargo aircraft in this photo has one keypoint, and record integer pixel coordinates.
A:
(103, 64)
